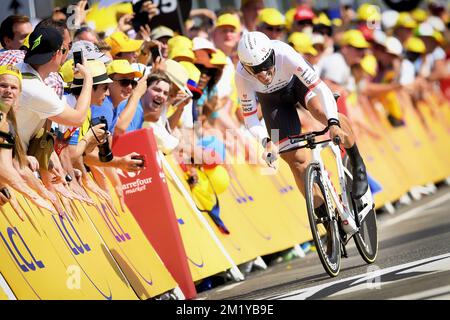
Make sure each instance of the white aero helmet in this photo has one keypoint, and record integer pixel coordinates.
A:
(255, 51)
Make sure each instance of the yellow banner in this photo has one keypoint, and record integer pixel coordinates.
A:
(50, 257)
(130, 248)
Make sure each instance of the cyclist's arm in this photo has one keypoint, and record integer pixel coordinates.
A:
(312, 81)
(249, 108)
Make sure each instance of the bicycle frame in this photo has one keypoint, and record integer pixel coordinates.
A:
(349, 224)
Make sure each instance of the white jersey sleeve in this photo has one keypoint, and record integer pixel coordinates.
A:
(305, 72)
(247, 97)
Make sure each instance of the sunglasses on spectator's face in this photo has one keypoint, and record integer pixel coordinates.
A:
(126, 82)
(64, 50)
(274, 29)
(210, 72)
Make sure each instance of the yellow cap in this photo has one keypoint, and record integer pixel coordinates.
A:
(122, 67)
(290, 18)
(193, 71)
(415, 44)
(302, 43)
(11, 70)
(438, 37)
(66, 71)
(272, 17)
(120, 42)
(104, 19)
(218, 58)
(369, 12)
(322, 19)
(180, 53)
(337, 22)
(419, 15)
(229, 19)
(369, 64)
(194, 78)
(405, 20)
(354, 38)
(180, 41)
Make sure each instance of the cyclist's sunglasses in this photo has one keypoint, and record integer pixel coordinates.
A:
(266, 65)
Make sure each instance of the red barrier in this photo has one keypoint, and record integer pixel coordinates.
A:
(445, 87)
(148, 197)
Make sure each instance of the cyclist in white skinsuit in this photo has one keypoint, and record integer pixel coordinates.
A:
(275, 75)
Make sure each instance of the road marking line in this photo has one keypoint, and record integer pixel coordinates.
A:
(5, 288)
(432, 293)
(416, 211)
(364, 278)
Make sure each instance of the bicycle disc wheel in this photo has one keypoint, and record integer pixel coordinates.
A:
(325, 234)
(366, 239)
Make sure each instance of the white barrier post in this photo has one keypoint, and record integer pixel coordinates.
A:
(6, 289)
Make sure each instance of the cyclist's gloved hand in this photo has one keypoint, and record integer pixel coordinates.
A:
(336, 131)
(270, 154)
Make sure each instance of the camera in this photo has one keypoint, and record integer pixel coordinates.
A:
(104, 154)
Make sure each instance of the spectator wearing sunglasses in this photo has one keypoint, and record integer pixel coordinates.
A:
(210, 75)
(123, 82)
(123, 77)
(38, 101)
(14, 57)
(272, 23)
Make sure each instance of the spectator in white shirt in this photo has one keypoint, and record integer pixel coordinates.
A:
(38, 101)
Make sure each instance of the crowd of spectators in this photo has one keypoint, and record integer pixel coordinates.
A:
(182, 85)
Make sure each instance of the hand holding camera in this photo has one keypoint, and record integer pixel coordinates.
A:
(104, 154)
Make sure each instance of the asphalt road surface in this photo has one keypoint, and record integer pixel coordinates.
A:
(413, 263)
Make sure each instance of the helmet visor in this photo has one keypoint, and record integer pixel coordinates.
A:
(266, 65)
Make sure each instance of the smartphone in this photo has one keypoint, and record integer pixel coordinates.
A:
(77, 57)
(156, 52)
(140, 157)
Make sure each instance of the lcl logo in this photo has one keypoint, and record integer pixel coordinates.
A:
(25, 260)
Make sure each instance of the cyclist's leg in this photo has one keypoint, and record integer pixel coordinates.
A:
(298, 161)
(360, 182)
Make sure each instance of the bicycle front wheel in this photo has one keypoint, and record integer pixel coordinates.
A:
(366, 239)
(324, 229)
